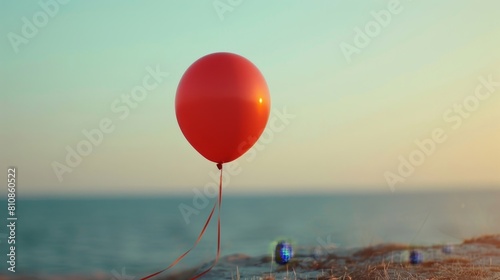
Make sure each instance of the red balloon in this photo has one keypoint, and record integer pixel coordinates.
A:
(222, 106)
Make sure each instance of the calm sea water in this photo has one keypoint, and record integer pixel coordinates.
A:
(141, 235)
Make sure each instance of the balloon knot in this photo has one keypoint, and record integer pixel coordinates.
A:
(219, 165)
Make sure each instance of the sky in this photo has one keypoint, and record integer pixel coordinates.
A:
(367, 95)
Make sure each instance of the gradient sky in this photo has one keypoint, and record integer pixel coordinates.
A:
(353, 119)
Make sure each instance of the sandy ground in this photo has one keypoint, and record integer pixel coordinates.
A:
(477, 258)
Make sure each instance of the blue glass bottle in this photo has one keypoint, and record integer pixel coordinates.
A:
(283, 253)
(416, 257)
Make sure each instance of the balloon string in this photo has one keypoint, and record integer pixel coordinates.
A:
(200, 236)
(218, 228)
(185, 253)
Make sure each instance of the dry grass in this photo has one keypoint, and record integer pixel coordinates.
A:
(471, 260)
(396, 271)
(486, 239)
(380, 250)
(389, 271)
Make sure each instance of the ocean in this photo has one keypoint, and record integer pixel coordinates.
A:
(137, 236)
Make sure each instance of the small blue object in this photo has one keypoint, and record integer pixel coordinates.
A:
(283, 253)
(447, 249)
(416, 257)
